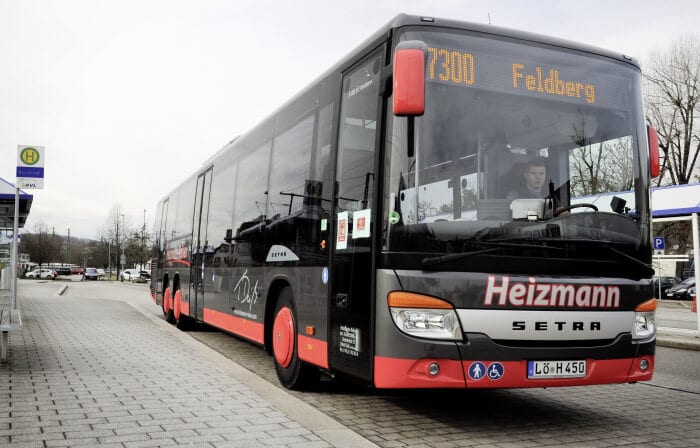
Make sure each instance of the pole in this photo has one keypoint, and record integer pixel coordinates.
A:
(696, 261)
(15, 231)
(117, 247)
(658, 276)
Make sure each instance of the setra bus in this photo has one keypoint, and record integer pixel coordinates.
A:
(368, 228)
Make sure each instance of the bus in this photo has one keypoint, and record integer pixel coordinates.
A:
(366, 228)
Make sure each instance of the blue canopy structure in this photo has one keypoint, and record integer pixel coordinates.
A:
(671, 201)
(7, 205)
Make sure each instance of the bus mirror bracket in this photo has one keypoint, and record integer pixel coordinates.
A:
(408, 86)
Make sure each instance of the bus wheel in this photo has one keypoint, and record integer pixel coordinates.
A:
(182, 321)
(168, 306)
(291, 371)
(165, 304)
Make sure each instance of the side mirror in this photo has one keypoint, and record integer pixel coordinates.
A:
(654, 159)
(410, 59)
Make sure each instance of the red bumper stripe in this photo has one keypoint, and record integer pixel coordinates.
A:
(243, 327)
(391, 373)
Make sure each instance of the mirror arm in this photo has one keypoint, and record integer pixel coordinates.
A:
(411, 141)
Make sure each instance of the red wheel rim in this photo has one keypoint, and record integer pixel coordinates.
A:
(176, 304)
(166, 301)
(283, 337)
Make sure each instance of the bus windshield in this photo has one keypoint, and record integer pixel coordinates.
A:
(520, 143)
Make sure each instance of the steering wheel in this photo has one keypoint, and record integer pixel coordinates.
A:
(569, 207)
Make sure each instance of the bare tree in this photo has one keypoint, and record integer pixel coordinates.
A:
(672, 95)
(601, 167)
(41, 245)
(116, 232)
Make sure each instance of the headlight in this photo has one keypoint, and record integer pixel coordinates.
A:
(644, 325)
(424, 316)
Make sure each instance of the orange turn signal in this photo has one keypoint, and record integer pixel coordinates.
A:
(649, 305)
(400, 299)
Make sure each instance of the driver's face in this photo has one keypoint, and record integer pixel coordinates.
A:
(535, 176)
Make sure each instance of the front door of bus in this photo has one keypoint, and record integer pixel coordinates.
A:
(199, 244)
(350, 348)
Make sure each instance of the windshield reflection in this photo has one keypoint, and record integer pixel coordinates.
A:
(508, 158)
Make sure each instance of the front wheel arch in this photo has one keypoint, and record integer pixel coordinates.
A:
(292, 372)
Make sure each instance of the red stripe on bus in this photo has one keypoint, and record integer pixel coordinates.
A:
(392, 373)
(237, 325)
(184, 308)
(599, 371)
(313, 351)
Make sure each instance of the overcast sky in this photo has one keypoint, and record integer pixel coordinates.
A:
(130, 97)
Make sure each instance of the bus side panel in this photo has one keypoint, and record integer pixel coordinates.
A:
(310, 298)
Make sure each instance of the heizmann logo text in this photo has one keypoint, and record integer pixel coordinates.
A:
(29, 156)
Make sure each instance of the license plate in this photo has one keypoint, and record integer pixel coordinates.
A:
(556, 369)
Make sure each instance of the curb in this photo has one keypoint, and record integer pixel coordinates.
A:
(686, 340)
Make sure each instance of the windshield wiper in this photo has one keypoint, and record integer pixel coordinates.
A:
(493, 247)
(432, 261)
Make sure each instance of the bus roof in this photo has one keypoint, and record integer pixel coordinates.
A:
(403, 20)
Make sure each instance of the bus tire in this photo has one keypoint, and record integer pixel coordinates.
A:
(291, 371)
(168, 307)
(182, 322)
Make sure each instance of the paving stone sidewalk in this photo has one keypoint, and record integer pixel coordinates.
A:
(99, 372)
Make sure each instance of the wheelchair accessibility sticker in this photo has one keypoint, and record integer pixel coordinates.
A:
(478, 370)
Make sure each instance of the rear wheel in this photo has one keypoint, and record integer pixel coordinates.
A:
(182, 321)
(291, 371)
(168, 306)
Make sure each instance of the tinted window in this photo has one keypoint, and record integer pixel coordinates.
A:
(289, 169)
(251, 186)
(221, 203)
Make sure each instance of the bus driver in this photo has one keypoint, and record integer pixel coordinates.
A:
(532, 184)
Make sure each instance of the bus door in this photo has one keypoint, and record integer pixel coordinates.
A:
(157, 272)
(350, 348)
(199, 243)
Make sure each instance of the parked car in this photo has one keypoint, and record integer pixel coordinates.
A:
(145, 275)
(680, 290)
(42, 273)
(100, 273)
(91, 274)
(77, 271)
(666, 282)
(63, 271)
(130, 275)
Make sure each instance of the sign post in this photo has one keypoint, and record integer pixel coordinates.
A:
(30, 174)
(659, 249)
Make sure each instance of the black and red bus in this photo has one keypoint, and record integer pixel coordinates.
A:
(367, 228)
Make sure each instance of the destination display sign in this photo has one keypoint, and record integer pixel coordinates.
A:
(526, 75)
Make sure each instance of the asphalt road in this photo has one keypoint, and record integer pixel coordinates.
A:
(662, 412)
